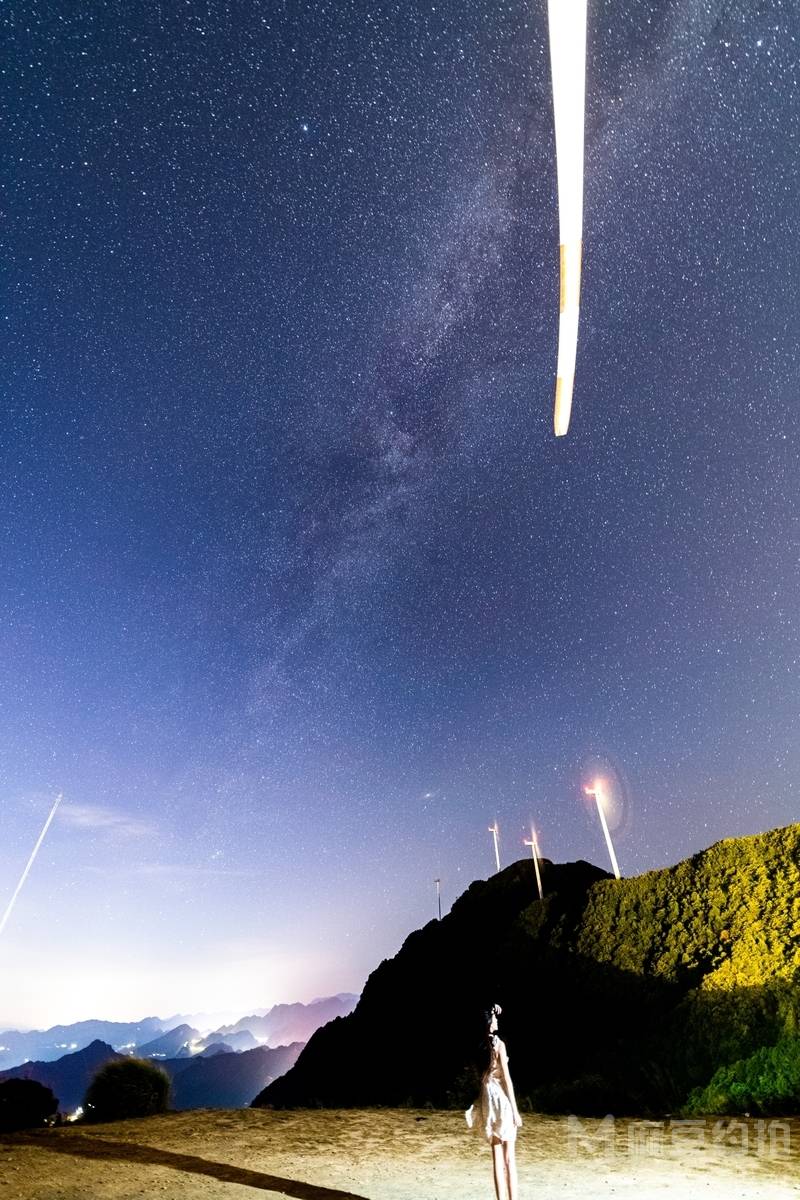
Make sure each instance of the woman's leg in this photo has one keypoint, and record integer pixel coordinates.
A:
(499, 1165)
(510, 1165)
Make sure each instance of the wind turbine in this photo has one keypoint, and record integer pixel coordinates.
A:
(534, 845)
(494, 831)
(599, 795)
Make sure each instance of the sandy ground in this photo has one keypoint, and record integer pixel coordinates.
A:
(403, 1154)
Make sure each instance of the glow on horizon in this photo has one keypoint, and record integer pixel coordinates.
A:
(113, 990)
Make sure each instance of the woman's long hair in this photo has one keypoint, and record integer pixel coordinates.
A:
(487, 1042)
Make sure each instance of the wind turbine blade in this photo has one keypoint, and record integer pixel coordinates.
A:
(567, 25)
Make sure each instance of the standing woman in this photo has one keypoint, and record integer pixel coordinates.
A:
(498, 1111)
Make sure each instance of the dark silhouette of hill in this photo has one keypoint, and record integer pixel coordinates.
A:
(46, 1045)
(617, 995)
(227, 1080)
(68, 1077)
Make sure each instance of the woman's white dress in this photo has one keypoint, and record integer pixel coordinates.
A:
(496, 1111)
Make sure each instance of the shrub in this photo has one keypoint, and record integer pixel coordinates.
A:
(25, 1104)
(768, 1083)
(132, 1087)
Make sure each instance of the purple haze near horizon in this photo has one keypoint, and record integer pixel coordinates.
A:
(299, 593)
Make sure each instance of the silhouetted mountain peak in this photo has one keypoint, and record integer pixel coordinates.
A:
(683, 969)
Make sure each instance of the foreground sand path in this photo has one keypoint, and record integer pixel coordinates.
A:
(396, 1154)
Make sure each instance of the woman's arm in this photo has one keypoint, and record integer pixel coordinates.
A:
(507, 1084)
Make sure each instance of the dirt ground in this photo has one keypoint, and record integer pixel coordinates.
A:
(401, 1154)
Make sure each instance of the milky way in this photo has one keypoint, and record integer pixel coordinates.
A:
(299, 593)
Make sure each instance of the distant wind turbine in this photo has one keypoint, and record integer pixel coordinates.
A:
(535, 855)
(494, 831)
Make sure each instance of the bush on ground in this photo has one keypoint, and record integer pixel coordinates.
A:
(25, 1104)
(132, 1087)
(767, 1083)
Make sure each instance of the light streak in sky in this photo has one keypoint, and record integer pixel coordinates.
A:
(567, 25)
(29, 863)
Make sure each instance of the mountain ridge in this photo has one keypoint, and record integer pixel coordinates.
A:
(294, 1023)
(67, 1077)
(224, 1080)
(618, 995)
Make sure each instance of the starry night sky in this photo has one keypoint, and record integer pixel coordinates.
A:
(298, 590)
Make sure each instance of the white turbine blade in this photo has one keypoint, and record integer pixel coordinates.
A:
(567, 24)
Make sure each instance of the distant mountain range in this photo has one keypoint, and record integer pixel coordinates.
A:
(618, 995)
(227, 1080)
(222, 1080)
(152, 1037)
(49, 1044)
(175, 1043)
(291, 1022)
